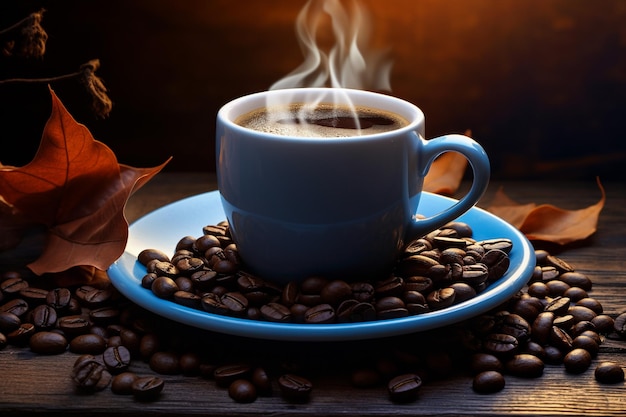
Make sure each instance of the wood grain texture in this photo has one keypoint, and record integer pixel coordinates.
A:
(32, 383)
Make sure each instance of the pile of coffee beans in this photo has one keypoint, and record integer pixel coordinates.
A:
(441, 269)
(554, 321)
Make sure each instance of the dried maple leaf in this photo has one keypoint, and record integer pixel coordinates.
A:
(446, 172)
(75, 188)
(546, 222)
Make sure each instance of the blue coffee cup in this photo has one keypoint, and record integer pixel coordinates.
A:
(341, 208)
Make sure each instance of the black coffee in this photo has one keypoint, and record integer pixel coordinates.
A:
(325, 120)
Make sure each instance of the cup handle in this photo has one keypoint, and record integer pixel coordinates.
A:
(478, 160)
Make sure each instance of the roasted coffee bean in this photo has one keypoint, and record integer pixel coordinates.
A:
(488, 382)
(560, 339)
(164, 287)
(542, 327)
(226, 374)
(539, 290)
(404, 388)
(48, 343)
(558, 305)
(575, 294)
(581, 313)
(453, 255)
(189, 363)
(59, 298)
(320, 314)
(497, 261)
(553, 355)
(122, 384)
(363, 312)
(21, 335)
(165, 363)
(88, 343)
(609, 373)
(104, 316)
(43, 317)
(390, 308)
(592, 304)
(90, 375)
(564, 322)
(8, 322)
(577, 361)
(416, 247)
(33, 296)
(524, 365)
(415, 265)
(502, 244)
(187, 299)
(276, 312)
(587, 343)
(576, 279)
(261, 381)
(441, 298)
(204, 280)
(235, 302)
(334, 292)
(94, 297)
(242, 391)
(147, 255)
(462, 229)
(603, 323)
(12, 286)
(558, 263)
(116, 359)
(419, 283)
(476, 274)
(147, 387)
(17, 306)
(295, 387)
(74, 325)
(481, 362)
(500, 344)
(557, 287)
(619, 324)
(212, 303)
(447, 242)
(516, 326)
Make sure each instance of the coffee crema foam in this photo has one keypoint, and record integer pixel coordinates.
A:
(324, 120)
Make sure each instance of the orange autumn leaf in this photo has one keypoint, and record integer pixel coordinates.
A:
(446, 172)
(547, 222)
(74, 188)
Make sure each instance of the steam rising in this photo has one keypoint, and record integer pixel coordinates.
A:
(348, 63)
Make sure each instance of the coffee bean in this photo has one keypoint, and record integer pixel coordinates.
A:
(320, 314)
(147, 388)
(609, 373)
(404, 388)
(33, 296)
(48, 343)
(164, 287)
(501, 344)
(235, 302)
(165, 363)
(587, 343)
(226, 374)
(59, 298)
(90, 375)
(12, 286)
(295, 387)
(88, 343)
(21, 335)
(576, 279)
(8, 322)
(524, 365)
(276, 312)
(17, 306)
(558, 305)
(577, 361)
(335, 292)
(116, 359)
(122, 384)
(242, 391)
(261, 381)
(148, 255)
(481, 362)
(488, 382)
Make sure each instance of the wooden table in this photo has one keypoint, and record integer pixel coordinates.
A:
(32, 383)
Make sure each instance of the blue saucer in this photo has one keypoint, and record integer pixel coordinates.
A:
(163, 228)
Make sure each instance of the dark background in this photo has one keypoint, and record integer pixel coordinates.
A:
(541, 84)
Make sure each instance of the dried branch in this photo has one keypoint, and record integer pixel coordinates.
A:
(32, 38)
(101, 103)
